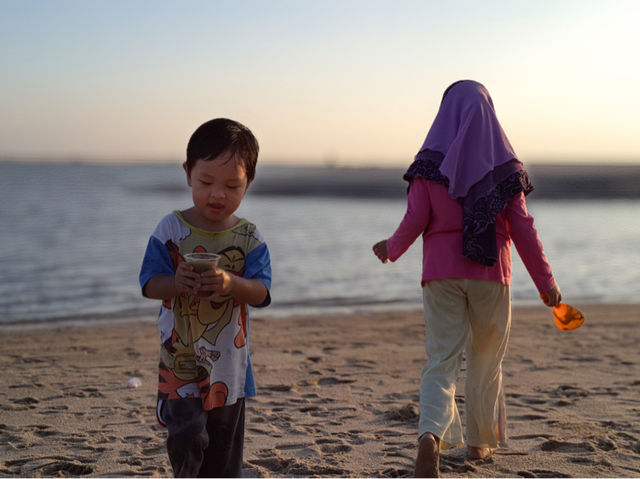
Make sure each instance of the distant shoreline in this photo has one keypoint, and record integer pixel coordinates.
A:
(588, 181)
(560, 165)
(551, 181)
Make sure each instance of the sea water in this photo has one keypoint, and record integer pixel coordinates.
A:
(73, 237)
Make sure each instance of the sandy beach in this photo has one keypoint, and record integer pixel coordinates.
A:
(338, 396)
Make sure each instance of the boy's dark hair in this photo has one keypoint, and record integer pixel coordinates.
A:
(221, 135)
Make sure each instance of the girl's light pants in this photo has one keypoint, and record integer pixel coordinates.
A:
(472, 315)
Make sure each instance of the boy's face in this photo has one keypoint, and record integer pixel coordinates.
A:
(217, 187)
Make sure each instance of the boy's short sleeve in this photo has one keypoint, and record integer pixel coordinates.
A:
(156, 261)
(258, 266)
(162, 245)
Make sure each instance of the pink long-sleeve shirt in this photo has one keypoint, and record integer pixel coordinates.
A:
(432, 213)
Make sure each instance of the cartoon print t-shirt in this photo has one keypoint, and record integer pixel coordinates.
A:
(204, 342)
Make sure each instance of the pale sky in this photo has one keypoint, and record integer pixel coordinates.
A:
(347, 81)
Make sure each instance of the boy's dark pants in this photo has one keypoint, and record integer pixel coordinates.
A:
(204, 443)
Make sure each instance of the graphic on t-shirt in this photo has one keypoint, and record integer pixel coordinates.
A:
(207, 317)
(204, 339)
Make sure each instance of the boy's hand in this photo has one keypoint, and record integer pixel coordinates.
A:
(380, 250)
(216, 281)
(186, 280)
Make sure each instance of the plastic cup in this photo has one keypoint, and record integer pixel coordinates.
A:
(202, 262)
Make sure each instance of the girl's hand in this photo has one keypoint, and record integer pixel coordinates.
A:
(380, 250)
(186, 280)
(552, 297)
(216, 281)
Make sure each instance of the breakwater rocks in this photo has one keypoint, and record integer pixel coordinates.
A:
(592, 181)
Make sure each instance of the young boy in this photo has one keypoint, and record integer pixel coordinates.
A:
(205, 370)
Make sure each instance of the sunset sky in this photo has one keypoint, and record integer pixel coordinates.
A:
(340, 81)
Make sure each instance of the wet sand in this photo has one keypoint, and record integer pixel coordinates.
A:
(338, 396)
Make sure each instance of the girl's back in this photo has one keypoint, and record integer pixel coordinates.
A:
(432, 211)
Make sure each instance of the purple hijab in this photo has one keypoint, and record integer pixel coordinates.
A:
(467, 151)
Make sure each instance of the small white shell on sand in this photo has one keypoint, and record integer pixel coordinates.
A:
(134, 382)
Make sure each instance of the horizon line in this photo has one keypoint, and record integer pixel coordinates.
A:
(302, 162)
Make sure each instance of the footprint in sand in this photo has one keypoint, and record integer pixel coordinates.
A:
(531, 436)
(529, 417)
(533, 400)
(357, 437)
(44, 431)
(627, 441)
(553, 445)
(606, 444)
(455, 464)
(401, 451)
(274, 463)
(278, 388)
(28, 401)
(362, 363)
(409, 413)
(604, 391)
(568, 391)
(541, 473)
(315, 411)
(334, 381)
(12, 437)
(49, 467)
(333, 446)
(393, 472)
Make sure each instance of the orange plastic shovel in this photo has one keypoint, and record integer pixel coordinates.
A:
(566, 317)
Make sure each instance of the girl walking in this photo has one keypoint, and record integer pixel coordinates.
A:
(466, 198)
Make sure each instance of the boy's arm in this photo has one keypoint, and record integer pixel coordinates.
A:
(163, 286)
(248, 291)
